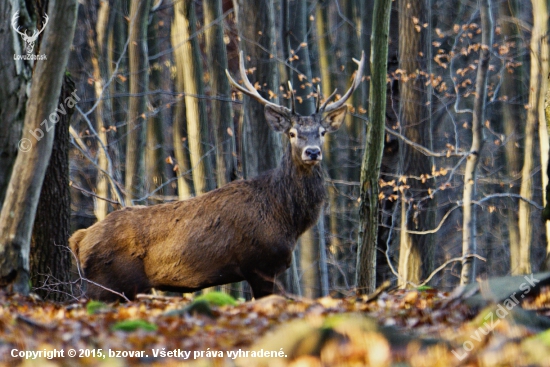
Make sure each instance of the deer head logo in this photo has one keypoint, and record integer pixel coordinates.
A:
(29, 40)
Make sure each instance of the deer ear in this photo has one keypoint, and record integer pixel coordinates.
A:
(333, 120)
(278, 120)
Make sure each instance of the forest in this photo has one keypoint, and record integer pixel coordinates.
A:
(436, 183)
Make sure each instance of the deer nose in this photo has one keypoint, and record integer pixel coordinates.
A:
(313, 153)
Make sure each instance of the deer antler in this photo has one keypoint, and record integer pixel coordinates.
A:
(15, 26)
(37, 32)
(251, 91)
(325, 107)
(292, 97)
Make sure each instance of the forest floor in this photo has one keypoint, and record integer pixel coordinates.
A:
(501, 322)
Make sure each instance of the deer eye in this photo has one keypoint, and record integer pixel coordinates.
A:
(323, 133)
(292, 134)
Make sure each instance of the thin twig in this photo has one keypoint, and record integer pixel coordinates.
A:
(430, 231)
(422, 149)
(94, 194)
(82, 278)
(447, 263)
(508, 195)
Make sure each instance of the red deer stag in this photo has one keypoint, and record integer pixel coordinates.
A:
(245, 230)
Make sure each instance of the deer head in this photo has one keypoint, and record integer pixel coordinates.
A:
(29, 40)
(305, 133)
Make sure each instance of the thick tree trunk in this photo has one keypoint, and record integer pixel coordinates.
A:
(374, 146)
(117, 46)
(185, 183)
(546, 211)
(50, 258)
(543, 127)
(261, 146)
(415, 251)
(154, 141)
(538, 46)
(220, 111)
(139, 80)
(16, 75)
(469, 218)
(18, 212)
(511, 114)
(195, 108)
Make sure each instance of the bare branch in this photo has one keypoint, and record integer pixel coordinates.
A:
(442, 266)
(508, 195)
(93, 194)
(83, 278)
(430, 231)
(109, 174)
(423, 149)
(53, 286)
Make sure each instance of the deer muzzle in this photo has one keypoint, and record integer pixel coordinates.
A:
(312, 155)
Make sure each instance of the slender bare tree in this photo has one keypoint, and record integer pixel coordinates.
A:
(478, 117)
(538, 47)
(365, 277)
(137, 107)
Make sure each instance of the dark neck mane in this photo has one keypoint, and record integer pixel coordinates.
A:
(300, 190)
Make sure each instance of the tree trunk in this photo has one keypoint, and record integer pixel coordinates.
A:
(139, 80)
(220, 111)
(374, 145)
(538, 46)
(542, 59)
(100, 63)
(415, 251)
(50, 257)
(511, 114)
(16, 75)
(546, 211)
(18, 212)
(335, 247)
(117, 46)
(261, 146)
(355, 126)
(469, 246)
(195, 108)
(154, 152)
(183, 171)
(305, 106)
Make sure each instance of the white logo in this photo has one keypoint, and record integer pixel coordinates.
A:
(29, 40)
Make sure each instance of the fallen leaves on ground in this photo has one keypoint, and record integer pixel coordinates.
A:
(416, 328)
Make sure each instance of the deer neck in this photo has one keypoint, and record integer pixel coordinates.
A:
(301, 191)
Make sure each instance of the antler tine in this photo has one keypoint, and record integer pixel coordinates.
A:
(250, 90)
(14, 23)
(324, 105)
(318, 101)
(14, 20)
(235, 84)
(292, 98)
(46, 18)
(354, 85)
